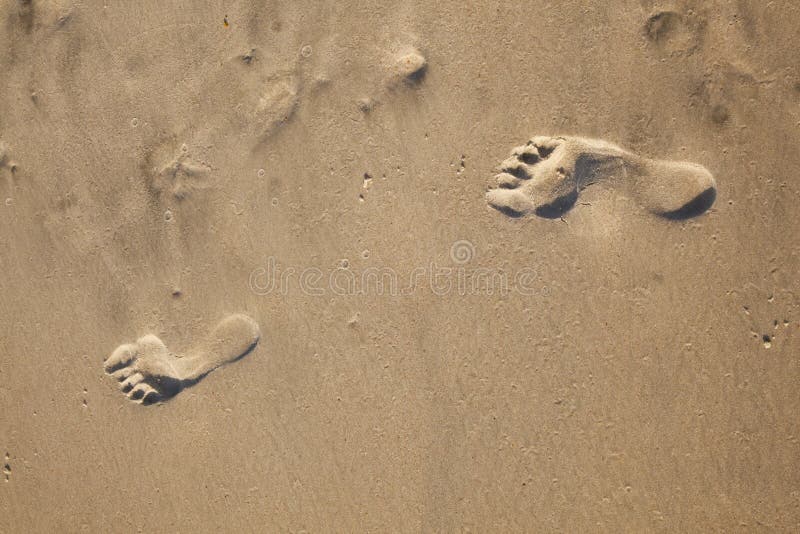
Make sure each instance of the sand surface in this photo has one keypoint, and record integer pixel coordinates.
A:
(417, 361)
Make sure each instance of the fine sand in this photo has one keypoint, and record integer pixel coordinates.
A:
(311, 266)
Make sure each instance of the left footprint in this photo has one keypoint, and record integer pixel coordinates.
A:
(546, 175)
(148, 372)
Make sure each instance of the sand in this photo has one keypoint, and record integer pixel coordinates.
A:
(399, 267)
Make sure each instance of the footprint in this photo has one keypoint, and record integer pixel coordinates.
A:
(546, 175)
(181, 177)
(675, 33)
(246, 100)
(277, 104)
(5, 160)
(148, 372)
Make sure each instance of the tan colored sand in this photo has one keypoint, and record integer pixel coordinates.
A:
(159, 158)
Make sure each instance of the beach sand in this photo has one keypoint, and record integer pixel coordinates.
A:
(271, 218)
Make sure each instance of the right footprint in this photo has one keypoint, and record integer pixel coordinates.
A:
(545, 176)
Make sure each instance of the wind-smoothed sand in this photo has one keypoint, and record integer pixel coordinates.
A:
(300, 196)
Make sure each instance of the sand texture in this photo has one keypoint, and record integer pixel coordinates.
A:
(338, 266)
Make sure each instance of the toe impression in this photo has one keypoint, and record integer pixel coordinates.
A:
(512, 202)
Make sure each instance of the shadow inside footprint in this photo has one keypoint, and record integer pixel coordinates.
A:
(559, 207)
(697, 206)
(509, 211)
